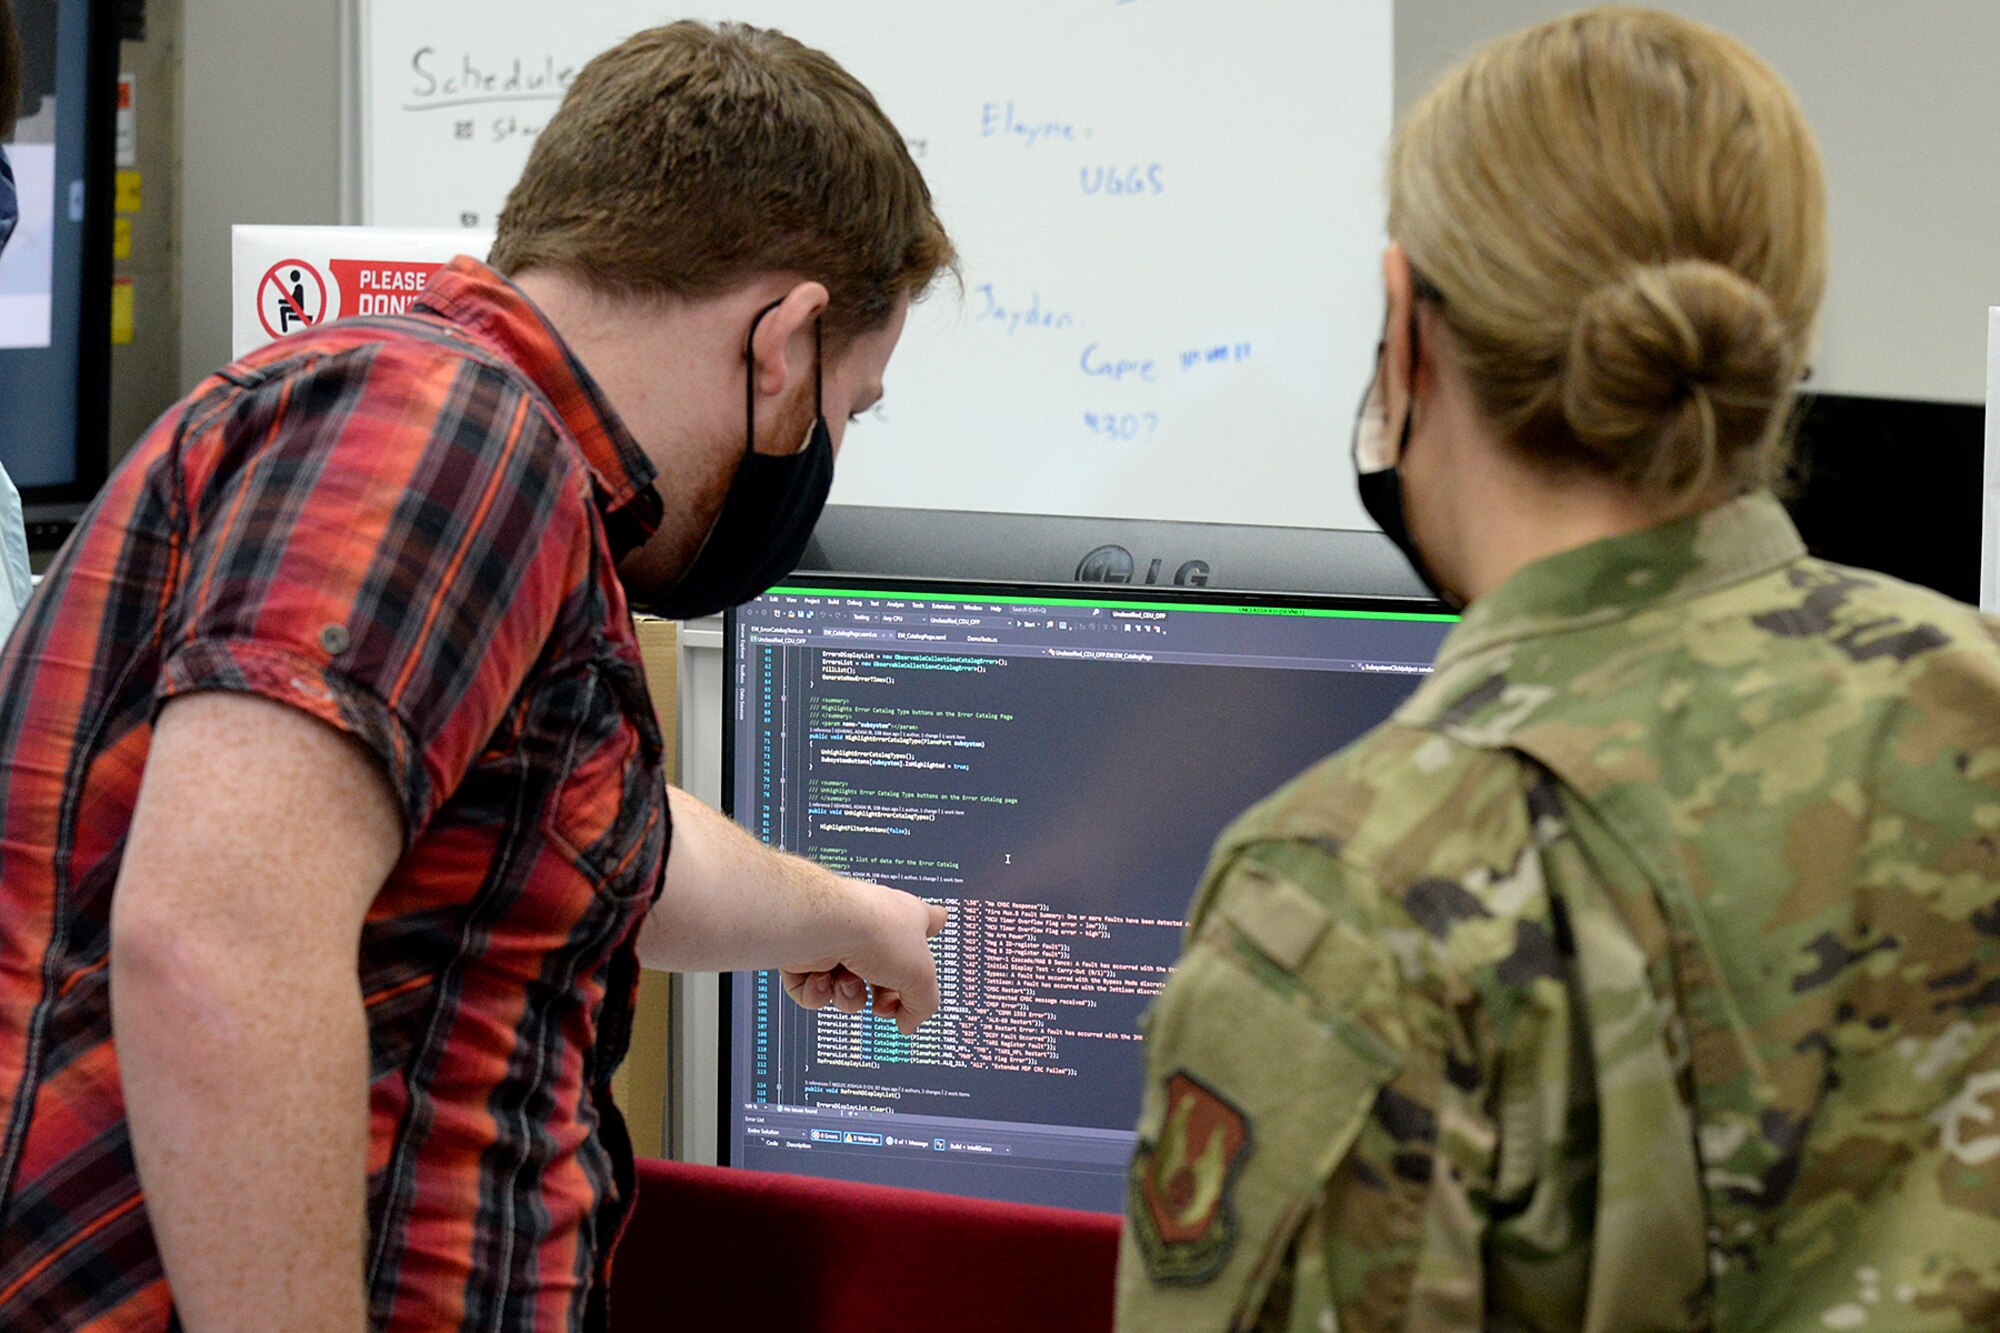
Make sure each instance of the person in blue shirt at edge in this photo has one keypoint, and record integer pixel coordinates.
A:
(14, 579)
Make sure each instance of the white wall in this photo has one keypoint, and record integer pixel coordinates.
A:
(260, 142)
(1907, 107)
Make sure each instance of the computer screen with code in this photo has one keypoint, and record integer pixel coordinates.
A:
(1053, 766)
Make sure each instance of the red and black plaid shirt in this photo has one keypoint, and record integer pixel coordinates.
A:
(409, 529)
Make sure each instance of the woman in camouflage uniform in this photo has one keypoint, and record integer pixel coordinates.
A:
(1642, 971)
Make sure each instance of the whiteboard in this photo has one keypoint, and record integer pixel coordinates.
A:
(1169, 214)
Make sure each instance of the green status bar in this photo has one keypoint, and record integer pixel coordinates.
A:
(1212, 608)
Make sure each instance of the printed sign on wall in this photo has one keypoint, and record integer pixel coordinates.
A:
(287, 279)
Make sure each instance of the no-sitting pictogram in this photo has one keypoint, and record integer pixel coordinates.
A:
(291, 297)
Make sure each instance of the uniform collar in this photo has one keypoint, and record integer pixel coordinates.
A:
(1619, 577)
(498, 314)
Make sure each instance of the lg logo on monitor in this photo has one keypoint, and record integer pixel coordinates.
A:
(1114, 564)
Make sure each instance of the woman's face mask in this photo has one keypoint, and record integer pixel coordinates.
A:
(1379, 449)
(10, 207)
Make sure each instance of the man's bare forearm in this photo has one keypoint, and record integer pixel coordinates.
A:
(731, 902)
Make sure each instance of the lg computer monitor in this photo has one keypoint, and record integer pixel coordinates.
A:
(55, 275)
(1053, 765)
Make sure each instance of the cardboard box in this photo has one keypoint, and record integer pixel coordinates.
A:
(640, 1085)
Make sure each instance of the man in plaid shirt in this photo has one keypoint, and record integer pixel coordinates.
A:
(332, 824)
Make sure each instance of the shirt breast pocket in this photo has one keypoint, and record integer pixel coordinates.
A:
(1254, 1094)
(608, 811)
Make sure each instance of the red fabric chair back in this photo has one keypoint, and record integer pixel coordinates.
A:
(720, 1248)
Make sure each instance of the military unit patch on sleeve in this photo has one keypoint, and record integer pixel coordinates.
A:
(1181, 1216)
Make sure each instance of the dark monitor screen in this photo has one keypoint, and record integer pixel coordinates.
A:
(55, 272)
(1053, 765)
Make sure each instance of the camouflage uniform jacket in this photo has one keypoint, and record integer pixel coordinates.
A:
(1643, 972)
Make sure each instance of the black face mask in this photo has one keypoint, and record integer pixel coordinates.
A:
(1377, 469)
(767, 517)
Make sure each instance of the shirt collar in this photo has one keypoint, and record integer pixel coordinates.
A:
(498, 314)
(1619, 577)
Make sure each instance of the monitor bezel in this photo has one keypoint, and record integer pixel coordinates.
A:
(67, 500)
(972, 589)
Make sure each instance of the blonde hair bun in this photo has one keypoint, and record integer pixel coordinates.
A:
(1626, 215)
(1674, 370)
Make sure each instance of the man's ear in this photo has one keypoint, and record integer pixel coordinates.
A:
(781, 346)
(1399, 373)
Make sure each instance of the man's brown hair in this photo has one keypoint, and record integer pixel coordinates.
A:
(691, 157)
(10, 70)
